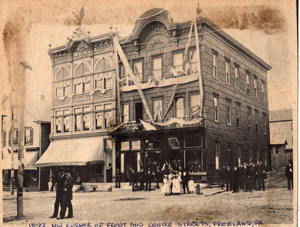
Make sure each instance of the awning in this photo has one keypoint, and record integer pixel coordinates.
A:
(30, 159)
(73, 152)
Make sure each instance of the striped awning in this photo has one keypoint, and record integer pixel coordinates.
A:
(73, 152)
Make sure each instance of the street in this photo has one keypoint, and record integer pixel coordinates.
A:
(273, 206)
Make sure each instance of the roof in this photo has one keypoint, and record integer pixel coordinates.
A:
(281, 115)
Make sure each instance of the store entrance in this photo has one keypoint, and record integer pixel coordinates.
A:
(130, 161)
(154, 160)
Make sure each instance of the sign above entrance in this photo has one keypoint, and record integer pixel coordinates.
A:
(174, 142)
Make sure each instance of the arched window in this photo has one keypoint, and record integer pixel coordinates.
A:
(82, 69)
(62, 74)
(104, 65)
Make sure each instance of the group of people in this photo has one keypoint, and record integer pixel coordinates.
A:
(177, 182)
(64, 184)
(248, 177)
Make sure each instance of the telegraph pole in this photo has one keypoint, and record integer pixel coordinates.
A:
(20, 144)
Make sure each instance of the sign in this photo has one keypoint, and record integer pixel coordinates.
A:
(174, 142)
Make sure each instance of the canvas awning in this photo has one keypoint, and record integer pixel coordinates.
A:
(30, 158)
(73, 152)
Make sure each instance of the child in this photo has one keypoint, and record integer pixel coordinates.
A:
(166, 189)
(176, 185)
(170, 180)
(191, 184)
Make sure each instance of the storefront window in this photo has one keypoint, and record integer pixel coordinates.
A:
(193, 161)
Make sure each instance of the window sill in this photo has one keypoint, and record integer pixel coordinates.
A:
(229, 125)
(217, 122)
(216, 78)
(228, 84)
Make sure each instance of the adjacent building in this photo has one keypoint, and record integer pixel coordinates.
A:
(155, 97)
(281, 137)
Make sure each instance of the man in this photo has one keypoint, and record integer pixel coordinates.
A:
(261, 176)
(185, 179)
(289, 174)
(118, 179)
(235, 180)
(227, 178)
(68, 185)
(59, 192)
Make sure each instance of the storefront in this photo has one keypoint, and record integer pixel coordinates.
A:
(89, 159)
(182, 148)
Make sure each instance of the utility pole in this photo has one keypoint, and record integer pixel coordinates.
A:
(21, 143)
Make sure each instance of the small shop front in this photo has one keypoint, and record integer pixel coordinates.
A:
(144, 150)
(89, 159)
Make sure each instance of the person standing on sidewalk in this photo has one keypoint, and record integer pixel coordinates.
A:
(59, 192)
(289, 174)
(68, 196)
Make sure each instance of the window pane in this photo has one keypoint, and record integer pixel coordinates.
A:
(216, 109)
(124, 145)
(58, 113)
(138, 70)
(157, 109)
(58, 125)
(179, 107)
(77, 110)
(86, 122)
(157, 64)
(125, 113)
(99, 120)
(177, 61)
(77, 122)
(107, 106)
(193, 161)
(66, 124)
(135, 145)
(100, 107)
(86, 109)
(195, 107)
(193, 62)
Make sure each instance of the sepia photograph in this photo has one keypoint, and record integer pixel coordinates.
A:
(148, 113)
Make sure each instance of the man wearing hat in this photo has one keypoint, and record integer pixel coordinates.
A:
(59, 192)
(68, 185)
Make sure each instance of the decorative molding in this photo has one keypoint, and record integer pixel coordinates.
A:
(105, 94)
(81, 98)
(66, 100)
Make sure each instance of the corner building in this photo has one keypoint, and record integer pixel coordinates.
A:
(198, 113)
(234, 127)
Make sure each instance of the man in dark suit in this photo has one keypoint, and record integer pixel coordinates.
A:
(261, 176)
(59, 192)
(185, 179)
(68, 196)
(235, 180)
(289, 174)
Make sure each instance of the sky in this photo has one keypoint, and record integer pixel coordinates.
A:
(28, 28)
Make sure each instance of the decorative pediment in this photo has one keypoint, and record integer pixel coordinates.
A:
(78, 38)
(157, 19)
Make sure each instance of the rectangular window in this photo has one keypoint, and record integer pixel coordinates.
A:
(195, 106)
(228, 112)
(227, 71)
(66, 123)
(14, 115)
(248, 82)
(215, 65)
(138, 70)
(138, 112)
(77, 122)
(237, 76)
(125, 113)
(217, 160)
(255, 86)
(256, 120)
(3, 138)
(28, 137)
(15, 137)
(193, 62)
(157, 109)
(108, 119)
(86, 86)
(178, 61)
(122, 75)
(263, 90)
(250, 155)
(86, 121)
(249, 113)
(216, 108)
(265, 123)
(58, 123)
(99, 120)
(157, 68)
(179, 107)
(238, 114)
